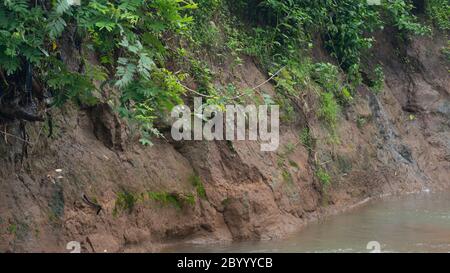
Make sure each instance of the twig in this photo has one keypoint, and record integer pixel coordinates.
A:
(37, 139)
(16, 137)
(269, 79)
(21, 139)
(324, 163)
(240, 95)
(2, 76)
(6, 138)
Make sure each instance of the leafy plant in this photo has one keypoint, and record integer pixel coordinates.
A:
(126, 35)
(294, 77)
(446, 51)
(134, 40)
(400, 12)
(439, 12)
(306, 139)
(378, 83)
(323, 177)
(21, 35)
(345, 24)
(287, 176)
(198, 184)
(172, 199)
(361, 121)
(125, 201)
(327, 76)
(329, 109)
(12, 229)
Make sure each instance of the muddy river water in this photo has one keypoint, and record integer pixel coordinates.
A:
(412, 223)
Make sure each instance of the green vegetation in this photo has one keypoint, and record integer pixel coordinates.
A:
(146, 48)
(399, 12)
(18, 229)
(293, 164)
(439, 12)
(361, 121)
(172, 199)
(125, 35)
(287, 177)
(344, 164)
(306, 139)
(12, 229)
(329, 109)
(327, 76)
(198, 184)
(446, 50)
(289, 148)
(125, 201)
(378, 84)
(323, 177)
(225, 202)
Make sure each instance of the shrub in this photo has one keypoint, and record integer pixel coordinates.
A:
(329, 109)
(131, 40)
(399, 12)
(378, 84)
(198, 185)
(323, 177)
(287, 177)
(174, 199)
(439, 11)
(306, 139)
(125, 201)
(125, 34)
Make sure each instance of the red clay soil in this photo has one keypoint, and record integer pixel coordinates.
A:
(395, 142)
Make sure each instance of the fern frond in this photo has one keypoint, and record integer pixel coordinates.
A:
(62, 6)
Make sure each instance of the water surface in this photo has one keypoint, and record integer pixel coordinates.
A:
(413, 223)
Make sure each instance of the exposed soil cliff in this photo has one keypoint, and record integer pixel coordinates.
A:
(396, 142)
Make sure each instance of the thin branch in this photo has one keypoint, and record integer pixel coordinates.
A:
(240, 95)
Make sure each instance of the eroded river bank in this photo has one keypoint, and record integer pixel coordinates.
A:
(412, 223)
